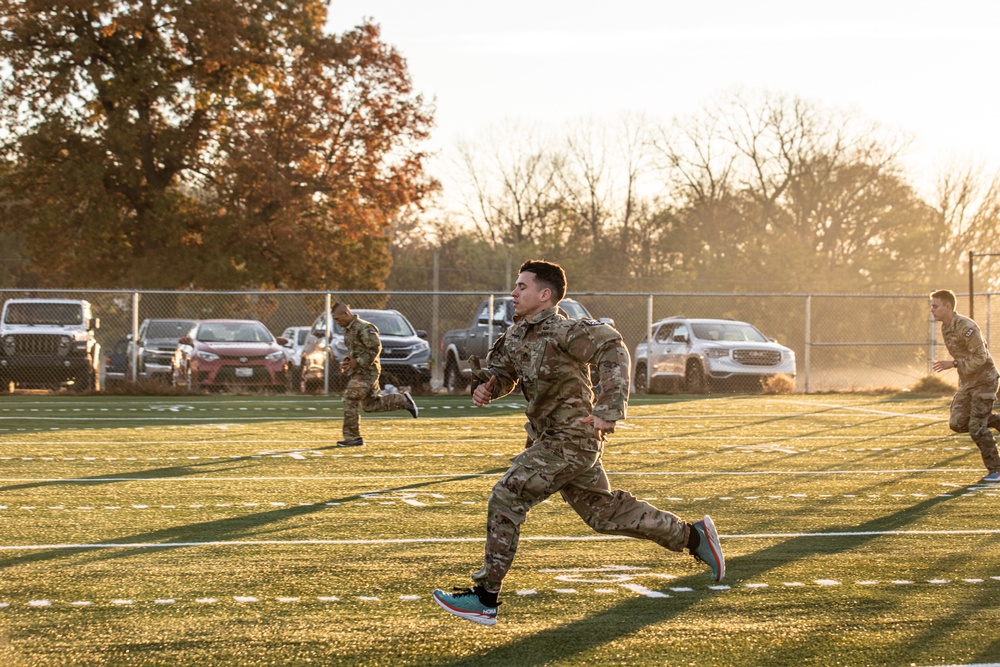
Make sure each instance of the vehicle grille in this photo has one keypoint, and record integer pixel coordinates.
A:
(395, 353)
(757, 357)
(228, 376)
(242, 358)
(37, 344)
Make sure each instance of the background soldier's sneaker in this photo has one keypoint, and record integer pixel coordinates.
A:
(465, 602)
(353, 442)
(411, 405)
(709, 550)
(992, 477)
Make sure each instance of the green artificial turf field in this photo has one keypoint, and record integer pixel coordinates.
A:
(228, 530)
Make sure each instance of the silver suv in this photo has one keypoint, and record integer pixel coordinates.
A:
(405, 357)
(47, 343)
(697, 355)
(155, 345)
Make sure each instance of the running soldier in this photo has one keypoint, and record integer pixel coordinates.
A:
(548, 355)
(363, 368)
(972, 407)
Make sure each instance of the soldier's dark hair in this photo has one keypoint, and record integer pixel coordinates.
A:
(945, 296)
(340, 305)
(549, 274)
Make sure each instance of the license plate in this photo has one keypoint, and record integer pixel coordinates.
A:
(244, 372)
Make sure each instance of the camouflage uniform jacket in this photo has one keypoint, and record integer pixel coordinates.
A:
(364, 346)
(548, 355)
(965, 344)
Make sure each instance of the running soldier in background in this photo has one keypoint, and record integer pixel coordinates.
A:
(972, 407)
(363, 368)
(548, 355)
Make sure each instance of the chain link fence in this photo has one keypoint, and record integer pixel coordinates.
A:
(842, 342)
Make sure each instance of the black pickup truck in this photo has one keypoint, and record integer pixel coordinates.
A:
(459, 344)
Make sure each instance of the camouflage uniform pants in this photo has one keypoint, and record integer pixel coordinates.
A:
(547, 467)
(971, 410)
(363, 392)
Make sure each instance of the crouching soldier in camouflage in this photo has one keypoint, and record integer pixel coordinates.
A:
(972, 407)
(363, 368)
(549, 356)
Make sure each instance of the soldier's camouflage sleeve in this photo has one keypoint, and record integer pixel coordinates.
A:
(977, 357)
(500, 365)
(601, 345)
(368, 347)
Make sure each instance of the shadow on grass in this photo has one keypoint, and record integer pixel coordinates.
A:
(222, 465)
(625, 620)
(251, 526)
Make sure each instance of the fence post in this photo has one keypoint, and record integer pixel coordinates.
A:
(988, 313)
(808, 338)
(329, 342)
(134, 357)
(489, 326)
(932, 351)
(436, 320)
(649, 336)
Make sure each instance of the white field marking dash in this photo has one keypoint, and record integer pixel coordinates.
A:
(465, 540)
(642, 590)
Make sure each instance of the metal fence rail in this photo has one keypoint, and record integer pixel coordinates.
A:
(841, 341)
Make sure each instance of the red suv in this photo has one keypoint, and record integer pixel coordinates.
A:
(230, 353)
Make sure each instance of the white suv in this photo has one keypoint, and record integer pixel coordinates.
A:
(696, 355)
(49, 343)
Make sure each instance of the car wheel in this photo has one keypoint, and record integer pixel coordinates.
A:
(453, 381)
(694, 378)
(641, 379)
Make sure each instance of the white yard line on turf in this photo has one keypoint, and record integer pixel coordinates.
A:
(851, 408)
(468, 540)
(206, 477)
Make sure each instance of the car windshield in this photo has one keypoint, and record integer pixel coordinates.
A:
(574, 310)
(388, 323)
(44, 313)
(234, 332)
(168, 328)
(737, 332)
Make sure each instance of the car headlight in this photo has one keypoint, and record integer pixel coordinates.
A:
(207, 356)
(275, 356)
(716, 352)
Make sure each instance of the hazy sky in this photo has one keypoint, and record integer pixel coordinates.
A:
(928, 69)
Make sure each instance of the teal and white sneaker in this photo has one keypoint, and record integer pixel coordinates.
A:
(992, 477)
(709, 550)
(465, 602)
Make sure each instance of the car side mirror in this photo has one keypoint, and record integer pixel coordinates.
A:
(318, 334)
(680, 338)
(283, 341)
(421, 334)
(184, 340)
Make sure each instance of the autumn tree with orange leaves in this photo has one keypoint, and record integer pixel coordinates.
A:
(204, 143)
